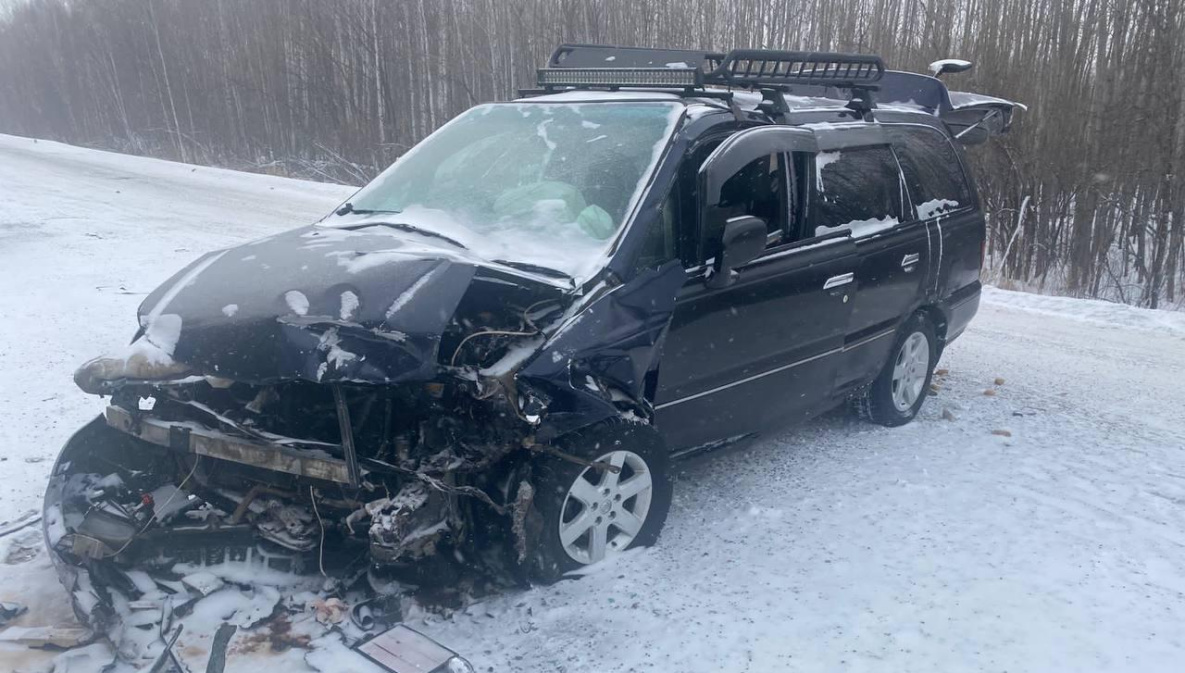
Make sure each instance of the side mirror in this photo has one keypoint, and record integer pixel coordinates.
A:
(743, 240)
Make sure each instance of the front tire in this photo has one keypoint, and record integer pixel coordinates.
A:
(588, 513)
(898, 392)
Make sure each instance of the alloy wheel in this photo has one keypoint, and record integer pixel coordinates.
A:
(909, 371)
(604, 510)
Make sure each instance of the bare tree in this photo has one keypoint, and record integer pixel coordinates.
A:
(1086, 197)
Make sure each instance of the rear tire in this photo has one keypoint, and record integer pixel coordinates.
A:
(588, 513)
(898, 392)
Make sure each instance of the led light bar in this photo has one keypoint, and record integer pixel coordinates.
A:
(620, 77)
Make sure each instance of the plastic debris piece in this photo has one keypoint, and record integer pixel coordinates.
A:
(330, 610)
(203, 583)
(41, 636)
(10, 611)
(402, 650)
(217, 661)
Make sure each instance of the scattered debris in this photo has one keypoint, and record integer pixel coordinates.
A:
(331, 610)
(204, 583)
(23, 548)
(60, 637)
(25, 520)
(10, 611)
(87, 659)
(403, 650)
(167, 661)
(1002, 433)
(217, 661)
(999, 381)
(941, 372)
(990, 392)
(948, 415)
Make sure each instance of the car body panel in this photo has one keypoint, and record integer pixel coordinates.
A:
(758, 352)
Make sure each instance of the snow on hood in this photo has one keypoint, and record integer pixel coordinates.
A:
(320, 304)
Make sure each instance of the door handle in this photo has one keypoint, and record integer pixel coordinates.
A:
(836, 281)
(909, 260)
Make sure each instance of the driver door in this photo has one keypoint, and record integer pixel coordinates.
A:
(761, 350)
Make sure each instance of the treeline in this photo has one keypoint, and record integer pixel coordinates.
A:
(1086, 196)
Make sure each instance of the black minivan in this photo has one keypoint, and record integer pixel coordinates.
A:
(491, 354)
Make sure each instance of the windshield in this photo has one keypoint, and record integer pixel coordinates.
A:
(537, 183)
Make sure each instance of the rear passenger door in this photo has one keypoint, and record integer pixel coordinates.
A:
(859, 188)
(945, 203)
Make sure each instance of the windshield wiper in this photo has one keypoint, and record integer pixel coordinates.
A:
(403, 226)
(535, 268)
(348, 208)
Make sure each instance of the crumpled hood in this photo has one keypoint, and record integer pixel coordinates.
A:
(319, 304)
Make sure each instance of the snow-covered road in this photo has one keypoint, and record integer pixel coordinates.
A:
(836, 546)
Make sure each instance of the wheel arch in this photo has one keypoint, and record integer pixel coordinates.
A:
(939, 320)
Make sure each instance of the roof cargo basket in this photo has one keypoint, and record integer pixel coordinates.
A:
(764, 68)
(585, 66)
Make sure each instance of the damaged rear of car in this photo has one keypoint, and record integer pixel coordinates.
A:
(399, 382)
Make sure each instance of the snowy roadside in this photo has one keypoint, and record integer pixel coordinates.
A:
(1053, 545)
(84, 236)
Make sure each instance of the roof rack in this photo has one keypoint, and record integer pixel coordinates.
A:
(586, 66)
(765, 68)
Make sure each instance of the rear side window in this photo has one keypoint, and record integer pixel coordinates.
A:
(932, 171)
(857, 190)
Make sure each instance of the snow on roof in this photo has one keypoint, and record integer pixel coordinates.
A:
(745, 100)
(965, 99)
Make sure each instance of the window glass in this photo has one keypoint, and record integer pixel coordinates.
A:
(659, 247)
(857, 190)
(538, 183)
(757, 189)
(932, 172)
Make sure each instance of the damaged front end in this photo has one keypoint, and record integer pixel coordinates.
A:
(370, 419)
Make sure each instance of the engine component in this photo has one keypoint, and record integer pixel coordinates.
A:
(290, 526)
(409, 525)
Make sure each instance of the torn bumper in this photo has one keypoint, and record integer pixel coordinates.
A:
(199, 440)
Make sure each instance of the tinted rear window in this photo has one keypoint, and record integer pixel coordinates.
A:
(932, 172)
(857, 190)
